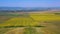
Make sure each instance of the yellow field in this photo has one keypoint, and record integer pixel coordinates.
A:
(45, 17)
(31, 22)
(32, 19)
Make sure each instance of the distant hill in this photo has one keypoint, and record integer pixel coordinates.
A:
(30, 8)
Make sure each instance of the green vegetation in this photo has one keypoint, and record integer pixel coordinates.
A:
(4, 30)
(30, 30)
(30, 20)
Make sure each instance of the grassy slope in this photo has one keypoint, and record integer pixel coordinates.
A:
(50, 21)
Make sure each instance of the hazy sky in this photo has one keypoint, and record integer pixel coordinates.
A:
(29, 3)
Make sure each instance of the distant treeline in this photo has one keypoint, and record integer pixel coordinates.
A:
(11, 26)
(57, 13)
(19, 26)
(24, 10)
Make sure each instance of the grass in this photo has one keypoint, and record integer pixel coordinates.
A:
(29, 20)
(4, 30)
(45, 17)
(22, 20)
(30, 30)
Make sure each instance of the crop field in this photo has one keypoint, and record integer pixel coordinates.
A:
(30, 23)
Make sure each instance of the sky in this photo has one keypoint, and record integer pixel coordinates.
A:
(29, 3)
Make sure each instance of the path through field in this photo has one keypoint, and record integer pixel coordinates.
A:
(16, 31)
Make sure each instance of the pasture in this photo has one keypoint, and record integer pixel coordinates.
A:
(31, 23)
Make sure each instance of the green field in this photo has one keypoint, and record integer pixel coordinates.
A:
(31, 23)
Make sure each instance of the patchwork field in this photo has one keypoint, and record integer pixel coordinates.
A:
(30, 23)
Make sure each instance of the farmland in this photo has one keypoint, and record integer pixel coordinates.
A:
(30, 23)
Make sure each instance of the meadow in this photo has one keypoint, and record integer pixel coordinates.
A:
(31, 23)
